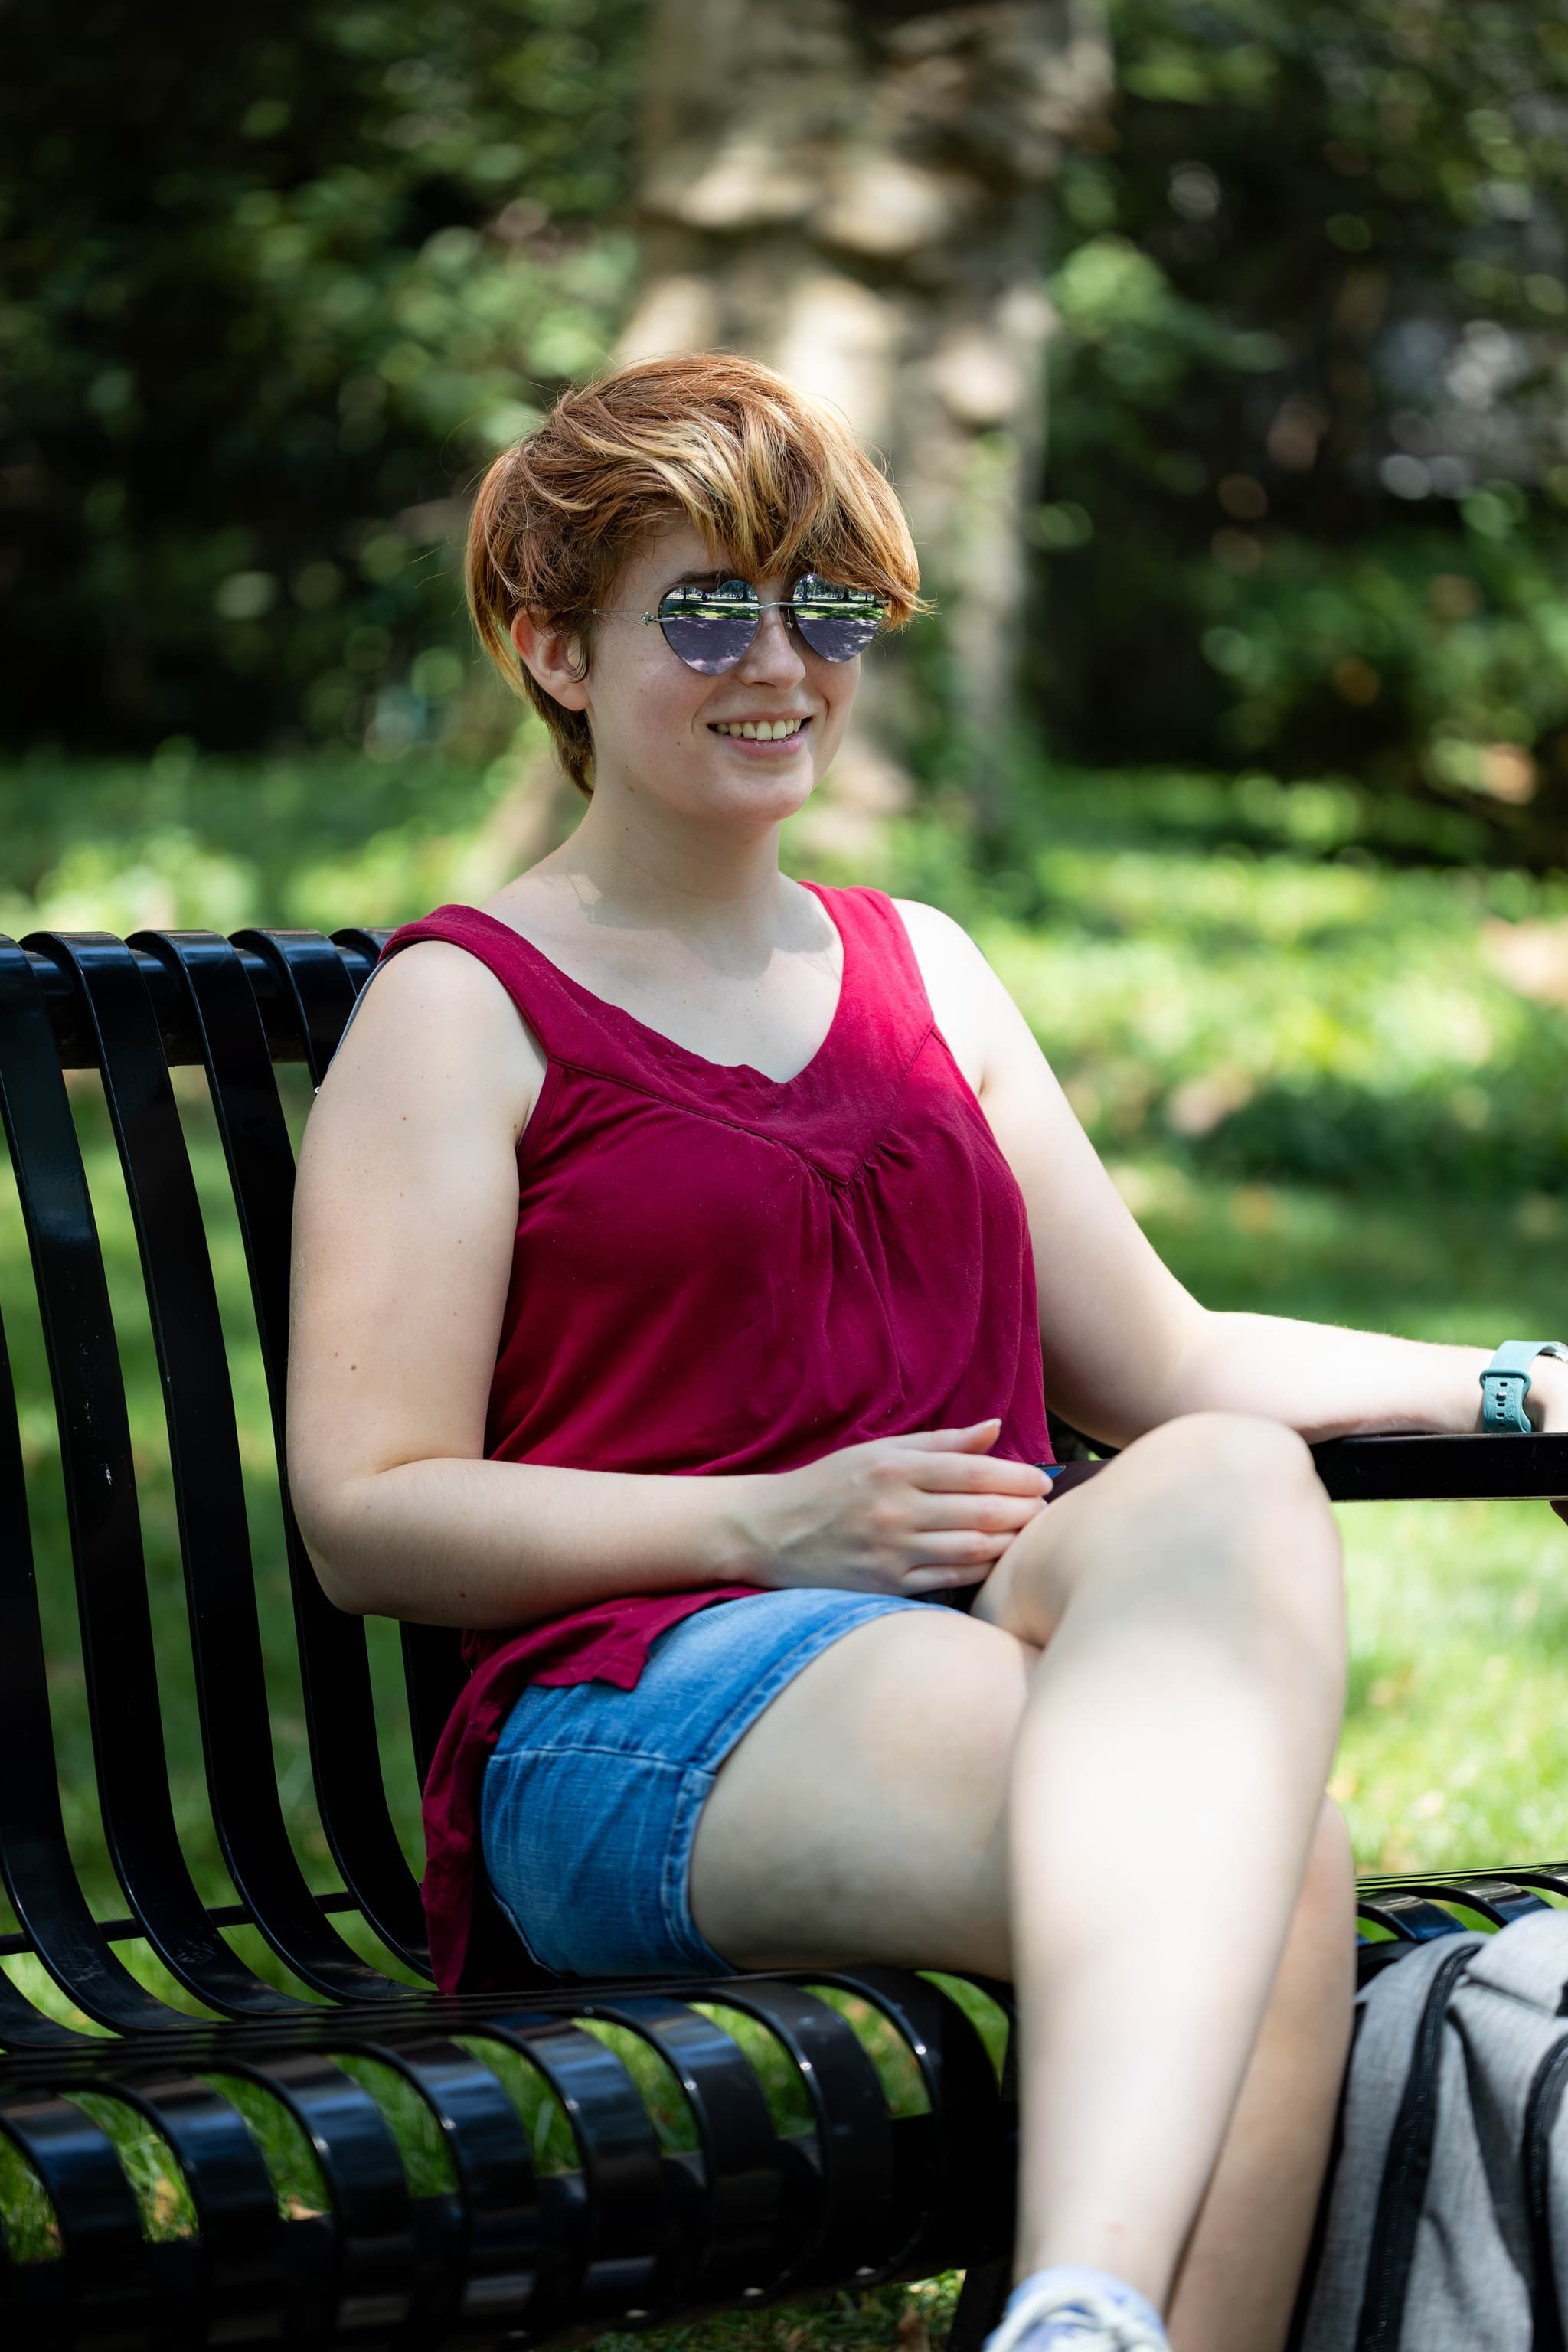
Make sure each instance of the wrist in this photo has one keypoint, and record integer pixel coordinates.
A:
(1546, 1403)
(1524, 1385)
(738, 1551)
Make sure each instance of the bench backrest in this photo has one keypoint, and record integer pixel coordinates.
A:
(133, 1013)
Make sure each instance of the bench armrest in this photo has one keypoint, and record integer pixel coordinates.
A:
(1399, 1467)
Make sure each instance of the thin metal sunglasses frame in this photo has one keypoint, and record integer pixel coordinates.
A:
(750, 608)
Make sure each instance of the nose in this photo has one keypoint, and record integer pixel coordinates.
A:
(772, 658)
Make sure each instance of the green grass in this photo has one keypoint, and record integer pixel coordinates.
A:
(1306, 1071)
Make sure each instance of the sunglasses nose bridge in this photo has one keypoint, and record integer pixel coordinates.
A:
(771, 618)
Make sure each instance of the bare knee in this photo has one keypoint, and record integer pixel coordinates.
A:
(1241, 1460)
(1239, 1505)
(1213, 1524)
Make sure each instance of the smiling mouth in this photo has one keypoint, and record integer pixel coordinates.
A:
(758, 731)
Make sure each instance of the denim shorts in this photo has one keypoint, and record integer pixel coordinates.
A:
(592, 1797)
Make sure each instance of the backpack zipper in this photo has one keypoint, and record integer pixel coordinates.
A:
(1540, 2116)
(1404, 2173)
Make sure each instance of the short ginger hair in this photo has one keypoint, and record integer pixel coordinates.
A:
(772, 479)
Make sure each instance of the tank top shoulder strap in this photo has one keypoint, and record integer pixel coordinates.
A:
(570, 1023)
(884, 1014)
(889, 1011)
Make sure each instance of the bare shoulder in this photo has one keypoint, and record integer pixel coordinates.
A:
(943, 949)
(973, 1011)
(405, 1220)
(434, 1031)
(929, 927)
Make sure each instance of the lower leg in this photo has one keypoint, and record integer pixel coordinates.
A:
(1237, 2280)
(1167, 1781)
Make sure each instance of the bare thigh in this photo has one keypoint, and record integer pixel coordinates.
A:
(863, 1816)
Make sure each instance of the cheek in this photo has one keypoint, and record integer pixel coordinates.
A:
(656, 701)
(836, 687)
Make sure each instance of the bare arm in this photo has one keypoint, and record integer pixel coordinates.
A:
(404, 1215)
(1329, 1381)
(405, 1220)
(1126, 1347)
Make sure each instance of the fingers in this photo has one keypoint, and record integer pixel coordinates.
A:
(977, 1438)
(949, 1548)
(984, 1514)
(974, 1474)
(942, 1579)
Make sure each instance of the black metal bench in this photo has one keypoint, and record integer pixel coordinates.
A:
(634, 2230)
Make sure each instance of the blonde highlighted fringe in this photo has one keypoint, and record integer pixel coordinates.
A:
(772, 480)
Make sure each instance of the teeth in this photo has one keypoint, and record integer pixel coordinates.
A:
(758, 731)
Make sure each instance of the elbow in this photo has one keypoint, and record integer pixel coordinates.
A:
(333, 1531)
(338, 1579)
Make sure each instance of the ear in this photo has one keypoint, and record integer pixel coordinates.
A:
(552, 656)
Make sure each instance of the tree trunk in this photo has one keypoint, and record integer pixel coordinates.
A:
(854, 191)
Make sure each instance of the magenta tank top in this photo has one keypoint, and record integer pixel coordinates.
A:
(715, 1271)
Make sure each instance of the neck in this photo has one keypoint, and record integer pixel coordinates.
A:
(673, 873)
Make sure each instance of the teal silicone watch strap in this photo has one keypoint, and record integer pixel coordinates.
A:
(1505, 1384)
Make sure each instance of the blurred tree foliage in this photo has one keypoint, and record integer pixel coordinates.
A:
(1309, 452)
(276, 284)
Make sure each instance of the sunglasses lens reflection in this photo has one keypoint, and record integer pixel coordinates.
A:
(837, 623)
(710, 628)
(713, 629)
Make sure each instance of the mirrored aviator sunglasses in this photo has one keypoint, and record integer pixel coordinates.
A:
(714, 629)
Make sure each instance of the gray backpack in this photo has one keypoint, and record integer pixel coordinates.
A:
(1445, 2226)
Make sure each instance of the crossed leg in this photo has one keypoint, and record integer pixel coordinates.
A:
(1106, 1785)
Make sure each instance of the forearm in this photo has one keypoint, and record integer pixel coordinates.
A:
(493, 1544)
(1329, 1382)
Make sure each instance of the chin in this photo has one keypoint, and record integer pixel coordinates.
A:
(773, 797)
(780, 802)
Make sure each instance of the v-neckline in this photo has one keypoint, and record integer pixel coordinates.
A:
(734, 1070)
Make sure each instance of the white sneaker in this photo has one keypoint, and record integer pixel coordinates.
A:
(1071, 2312)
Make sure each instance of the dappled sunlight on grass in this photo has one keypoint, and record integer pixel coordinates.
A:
(904, 2319)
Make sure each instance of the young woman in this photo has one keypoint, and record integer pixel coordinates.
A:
(684, 1258)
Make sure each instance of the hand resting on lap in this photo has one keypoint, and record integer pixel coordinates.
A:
(905, 1515)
